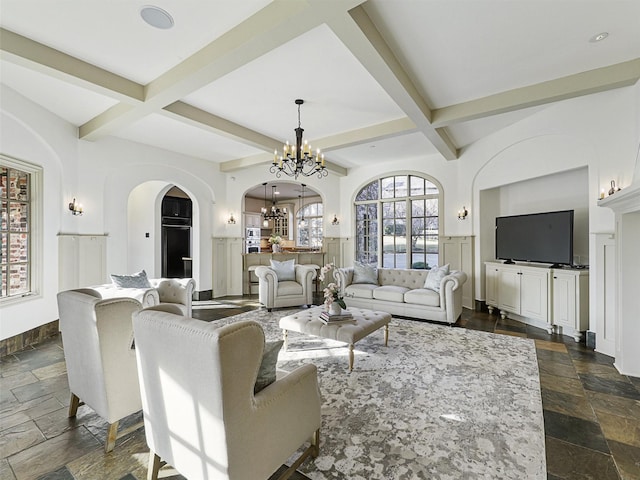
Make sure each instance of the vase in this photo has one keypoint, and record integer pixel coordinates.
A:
(335, 309)
(275, 248)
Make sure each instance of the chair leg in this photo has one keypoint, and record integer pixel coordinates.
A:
(154, 466)
(311, 451)
(74, 403)
(315, 443)
(112, 434)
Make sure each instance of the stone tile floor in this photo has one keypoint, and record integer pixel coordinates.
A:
(591, 412)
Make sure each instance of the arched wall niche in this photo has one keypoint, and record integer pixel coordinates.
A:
(542, 173)
(137, 211)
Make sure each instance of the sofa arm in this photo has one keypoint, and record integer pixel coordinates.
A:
(451, 294)
(343, 277)
(266, 274)
(148, 297)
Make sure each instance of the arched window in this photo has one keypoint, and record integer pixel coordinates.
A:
(397, 222)
(309, 221)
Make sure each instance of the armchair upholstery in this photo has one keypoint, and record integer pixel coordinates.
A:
(275, 294)
(177, 291)
(101, 367)
(207, 422)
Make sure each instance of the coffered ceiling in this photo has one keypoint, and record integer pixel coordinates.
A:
(381, 79)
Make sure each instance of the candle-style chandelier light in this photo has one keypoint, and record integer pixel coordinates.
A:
(298, 159)
(274, 212)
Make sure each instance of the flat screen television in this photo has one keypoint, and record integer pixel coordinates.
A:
(537, 237)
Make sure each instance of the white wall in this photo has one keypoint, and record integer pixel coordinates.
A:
(29, 133)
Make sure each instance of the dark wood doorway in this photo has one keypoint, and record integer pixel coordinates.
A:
(176, 234)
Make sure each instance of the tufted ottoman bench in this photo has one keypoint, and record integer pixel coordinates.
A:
(365, 322)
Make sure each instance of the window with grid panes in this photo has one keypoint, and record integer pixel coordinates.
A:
(397, 222)
(310, 235)
(16, 233)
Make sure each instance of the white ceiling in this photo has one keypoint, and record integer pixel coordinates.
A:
(381, 79)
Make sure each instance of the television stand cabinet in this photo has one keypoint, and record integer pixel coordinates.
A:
(553, 298)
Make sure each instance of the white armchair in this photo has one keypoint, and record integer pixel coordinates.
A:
(101, 367)
(273, 293)
(200, 412)
(178, 291)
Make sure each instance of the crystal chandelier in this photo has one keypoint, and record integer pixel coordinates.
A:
(274, 212)
(298, 159)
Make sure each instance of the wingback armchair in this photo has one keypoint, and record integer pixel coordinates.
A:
(206, 421)
(275, 293)
(101, 367)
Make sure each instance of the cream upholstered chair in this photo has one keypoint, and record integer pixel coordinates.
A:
(276, 293)
(201, 415)
(101, 366)
(177, 291)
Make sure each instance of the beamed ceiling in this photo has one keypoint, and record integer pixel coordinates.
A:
(381, 79)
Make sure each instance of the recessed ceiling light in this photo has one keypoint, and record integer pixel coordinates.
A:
(156, 17)
(599, 37)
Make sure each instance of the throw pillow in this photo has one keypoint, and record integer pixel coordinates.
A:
(267, 372)
(435, 276)
(365, 273)
(285, 270)
(137, 280)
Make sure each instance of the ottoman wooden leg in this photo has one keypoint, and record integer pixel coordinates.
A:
(351, 357)
(386, 335)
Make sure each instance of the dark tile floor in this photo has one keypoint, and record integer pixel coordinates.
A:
(591, 412)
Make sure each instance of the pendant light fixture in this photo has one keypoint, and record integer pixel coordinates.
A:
(302, 223)
(298, 159)
(274, 212)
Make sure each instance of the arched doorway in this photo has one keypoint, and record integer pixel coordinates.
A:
(176, 234)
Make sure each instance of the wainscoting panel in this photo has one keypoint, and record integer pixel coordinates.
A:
(458, 253)
(82, 261)
(605, 298)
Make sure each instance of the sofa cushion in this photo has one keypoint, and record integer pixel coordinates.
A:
(360, 290)
(289, 288)
(365, 273)
(435, 276)
(390, 293)
(284, 270)
(267, 371)
(137, 280)
(423, 296)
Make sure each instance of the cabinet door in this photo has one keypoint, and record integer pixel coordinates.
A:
(491, 285)
(564, 295)
(509, 292)
(534, 295)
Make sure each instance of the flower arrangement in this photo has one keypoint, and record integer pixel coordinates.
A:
(275, 239)
(332, 291)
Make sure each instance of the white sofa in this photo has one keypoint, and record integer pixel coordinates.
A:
(401, 292)
(177, 291)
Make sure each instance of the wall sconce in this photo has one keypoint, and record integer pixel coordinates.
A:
(335, 220)
(231, 221)
(462, 214)
(75, 207)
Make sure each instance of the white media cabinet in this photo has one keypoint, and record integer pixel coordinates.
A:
(557, 297)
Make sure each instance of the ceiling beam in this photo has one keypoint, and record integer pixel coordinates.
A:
(373, 133)
(183, 112)
(276, 24)
(38, 57)
(362, 38)
(370, 134)
(592, 81)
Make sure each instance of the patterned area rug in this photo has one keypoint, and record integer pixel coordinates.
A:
(438, 403)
